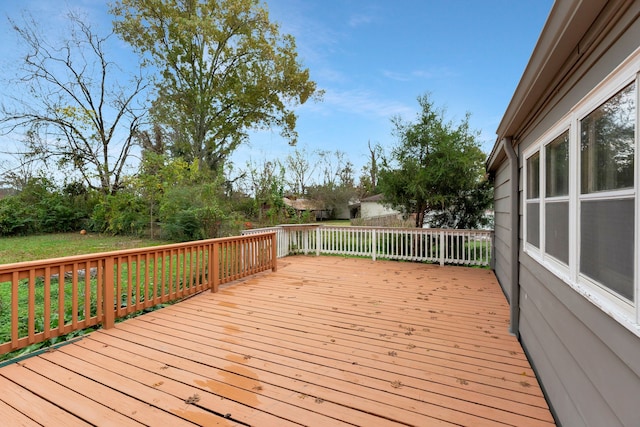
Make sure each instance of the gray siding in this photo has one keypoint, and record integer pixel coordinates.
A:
(588, 364)
(578, 352)
(502, 227)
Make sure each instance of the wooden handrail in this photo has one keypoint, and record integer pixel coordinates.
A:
(83, 291)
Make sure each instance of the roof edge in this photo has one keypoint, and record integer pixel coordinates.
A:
(566, 25)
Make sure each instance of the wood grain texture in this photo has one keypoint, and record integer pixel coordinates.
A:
(323, 341)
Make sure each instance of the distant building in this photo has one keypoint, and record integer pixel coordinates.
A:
(316, 209)
(372, 207)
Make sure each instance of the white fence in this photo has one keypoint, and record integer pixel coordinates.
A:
(444, 246)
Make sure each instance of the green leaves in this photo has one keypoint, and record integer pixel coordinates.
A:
(437, 167)
(224, 68)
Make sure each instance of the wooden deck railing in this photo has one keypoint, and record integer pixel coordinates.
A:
(54, 297)
(444, 246)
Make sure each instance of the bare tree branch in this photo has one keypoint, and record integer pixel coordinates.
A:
(74, 109)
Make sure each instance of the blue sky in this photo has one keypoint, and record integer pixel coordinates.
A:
(373, 58)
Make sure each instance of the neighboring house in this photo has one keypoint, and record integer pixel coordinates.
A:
(314, 208)
(567, 211)
(372, 207)
(343, 210)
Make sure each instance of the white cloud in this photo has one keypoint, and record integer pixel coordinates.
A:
(359, 20)
(422, 74)
(364, 103)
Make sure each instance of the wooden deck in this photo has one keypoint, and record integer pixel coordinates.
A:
(324, 341)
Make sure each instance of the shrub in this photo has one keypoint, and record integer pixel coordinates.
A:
(121, 213)
(192, 212)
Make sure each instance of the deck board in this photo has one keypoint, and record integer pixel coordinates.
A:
(322, 341)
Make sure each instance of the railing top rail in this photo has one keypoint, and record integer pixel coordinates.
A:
(368, 227)
(99, 255)
(262, 229)
(300, 226)
(376, 227)
(232, 238)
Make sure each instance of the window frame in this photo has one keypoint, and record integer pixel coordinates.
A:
(560, 268)
(615, 305)
(607, 89)
(531, 248)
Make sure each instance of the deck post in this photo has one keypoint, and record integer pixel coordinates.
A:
(215, 276)
(318, 243)
(374, 244)
(274, 252)
(442, 249)
(108, 320)
(211, 263)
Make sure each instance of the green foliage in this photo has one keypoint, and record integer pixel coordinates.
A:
(121, 213)
(40, 207)
(265, 183)
(337, 187)
(275, 201)
(16, 218)
(225, 69)
(192, 212)
(436, 168)
(466, 211)
(368, 185)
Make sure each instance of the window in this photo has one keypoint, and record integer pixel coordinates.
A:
(556, 203)
(533, 200)
(607, 199)
(557, 166)
(607, 139)
(581, 212)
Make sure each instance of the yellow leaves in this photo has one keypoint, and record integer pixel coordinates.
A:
(82, 116)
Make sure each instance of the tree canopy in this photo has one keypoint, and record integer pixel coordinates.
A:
(224, 67)
(436, 171)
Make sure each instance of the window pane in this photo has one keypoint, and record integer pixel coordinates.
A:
(533, 224)
(557, 166)
(556, 231)
(606, 243)
(533, 176)
(606, 144)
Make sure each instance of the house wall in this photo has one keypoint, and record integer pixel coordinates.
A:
(588, 363)
(502, 229)
(342, 212)
(374, 209)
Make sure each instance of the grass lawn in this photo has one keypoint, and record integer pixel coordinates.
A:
(29, 248)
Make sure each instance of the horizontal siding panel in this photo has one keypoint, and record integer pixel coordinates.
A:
(503, 274)
(545, 370)
(582, 359)
(502, 205)
(503, 174)
(502, 191)
(502, 235)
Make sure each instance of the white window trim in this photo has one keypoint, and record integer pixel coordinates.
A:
(528, 247)
(539, 146)
(619, 308)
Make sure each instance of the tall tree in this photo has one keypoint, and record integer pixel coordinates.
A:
(265, 182)
(225, 69)
(437, 167)
(337, 187)
(299, 171)
(73, 108)
(368, 185)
